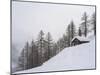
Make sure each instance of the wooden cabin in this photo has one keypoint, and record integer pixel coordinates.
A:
(78, 40)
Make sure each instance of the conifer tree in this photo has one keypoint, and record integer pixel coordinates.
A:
(41, 47)
(84, 24)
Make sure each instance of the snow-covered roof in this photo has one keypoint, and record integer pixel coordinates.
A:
(80, 38)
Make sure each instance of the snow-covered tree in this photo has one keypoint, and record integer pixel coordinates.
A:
(73, 29)
(84, 24)
(79, 32)
(65, 40)
(48, 46)
(41, 47)
(93, 22)
(55, 49)
(71, 32)
(26, 49)
(33, 55)
(21, 60)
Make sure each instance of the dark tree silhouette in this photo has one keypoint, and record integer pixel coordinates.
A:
(33, 55)
(49, 44)
(26, 49)
(21, 60)
(55, 49)
(41, 47)
(71, 32)
(65, 40)
(84, 24)
(79, 32)
(60, 44)
(73, 29)
(93, 22)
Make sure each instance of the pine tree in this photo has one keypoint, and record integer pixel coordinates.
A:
(59, 45)
(55, 49)
(49, 48)
(33, 55)
(73, 29)
(68, 32)
(84, 24)
(65, 41)
(30, 57)
(79, 32)
(71, 32)
(41, 44)
(26, 49)
(21, 60)
(93, 22)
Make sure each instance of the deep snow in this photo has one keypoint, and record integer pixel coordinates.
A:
(72, 58)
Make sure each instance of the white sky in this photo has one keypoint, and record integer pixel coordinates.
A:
(29, 18)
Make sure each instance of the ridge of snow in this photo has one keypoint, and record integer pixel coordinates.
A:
(72, 58)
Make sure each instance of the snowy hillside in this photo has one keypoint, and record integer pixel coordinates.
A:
(72, 58)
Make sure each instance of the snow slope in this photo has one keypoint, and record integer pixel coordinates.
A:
(72, 58)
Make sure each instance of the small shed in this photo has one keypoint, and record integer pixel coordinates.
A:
(78, 40)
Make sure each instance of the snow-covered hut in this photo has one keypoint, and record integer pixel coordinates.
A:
(78, 40)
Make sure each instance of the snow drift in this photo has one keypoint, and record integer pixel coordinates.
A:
(72, 58)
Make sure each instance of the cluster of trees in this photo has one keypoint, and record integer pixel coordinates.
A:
(87, 25)
(37, 52)
(41, 50)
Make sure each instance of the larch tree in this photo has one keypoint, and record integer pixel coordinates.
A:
(26, 54)
(73, 29)
(33, 55)
(84, 24)
(70, 32)
(55, 49)
(49, 46)
(79, 32)
(21, 60)
(41, 47)
(93, 22)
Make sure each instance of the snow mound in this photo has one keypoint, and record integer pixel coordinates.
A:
(72, 58)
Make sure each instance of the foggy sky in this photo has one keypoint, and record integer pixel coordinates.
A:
(29, 18)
